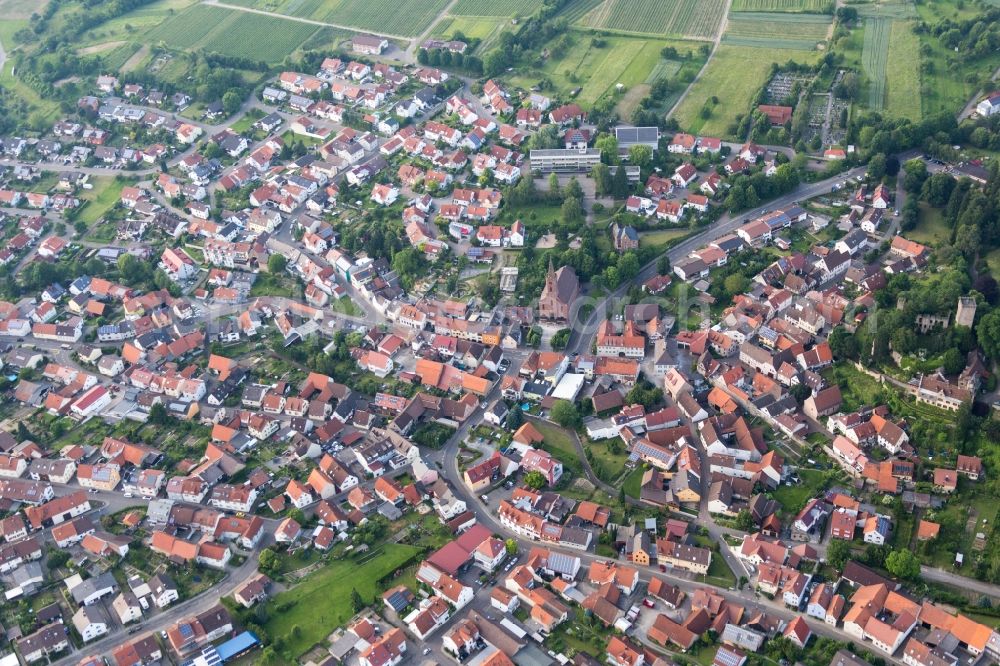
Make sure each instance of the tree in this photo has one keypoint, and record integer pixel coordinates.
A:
(534, 479)
(602, 179)
(663, 265)
(23, 433)
(800, 392)
(608, 145)
(837, 553)
(844, 345)
(554, 188)
(268, 561)
(916, 174)
(967, 240)
(987, 286)
(571, 211)
(619, 184)
(573, 189)
(640, 155)
(409, 263)
(876, 166)
(269, 656)
(511, 546)
(744, 521)
(559, 339)
(735, 284)
(848, 86)
(57, 558)
(903, 564)
(133, 271)
(952, 361)
(158, 414)
(565, 414)
(515, 418)
(938, 188)
(356, 601)
(276, 263)
(232, 101)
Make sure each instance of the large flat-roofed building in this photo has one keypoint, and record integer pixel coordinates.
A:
(637, 136)
(562, 160)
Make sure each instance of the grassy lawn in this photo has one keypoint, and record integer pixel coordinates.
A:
(484, 28)
(103, 233)
(106, 193)
(633, 482)
(580, 634)
(245, 123)
(608, 459)
(345, 305)
(273, 285)
(47, 109)
(719, 572)
(322, 602)
(662, 236)
(993, 261)
(793, 498)
(856, 388)
(931, 228)
(733, 75)
(596, 71)
(537, 218)
(903, 72)
(559, 443)
(945, 82)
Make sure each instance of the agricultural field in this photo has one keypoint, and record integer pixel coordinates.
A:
(503, 8)
(801, 32)
(734, 75)
(892, 9)
(697, 19)
(576, 10)
(116, 58)
(875, 58)
(486, 29)
(234, 33)
(394, 17)
(20, 9)
(807, 6)
(596, 71)
(190, 26)
(403, 18)
(131, 26)
(903, 72)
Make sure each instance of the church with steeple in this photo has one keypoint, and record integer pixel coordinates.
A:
(561, 288)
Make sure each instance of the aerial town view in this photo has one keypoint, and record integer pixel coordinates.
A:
(499, 332)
